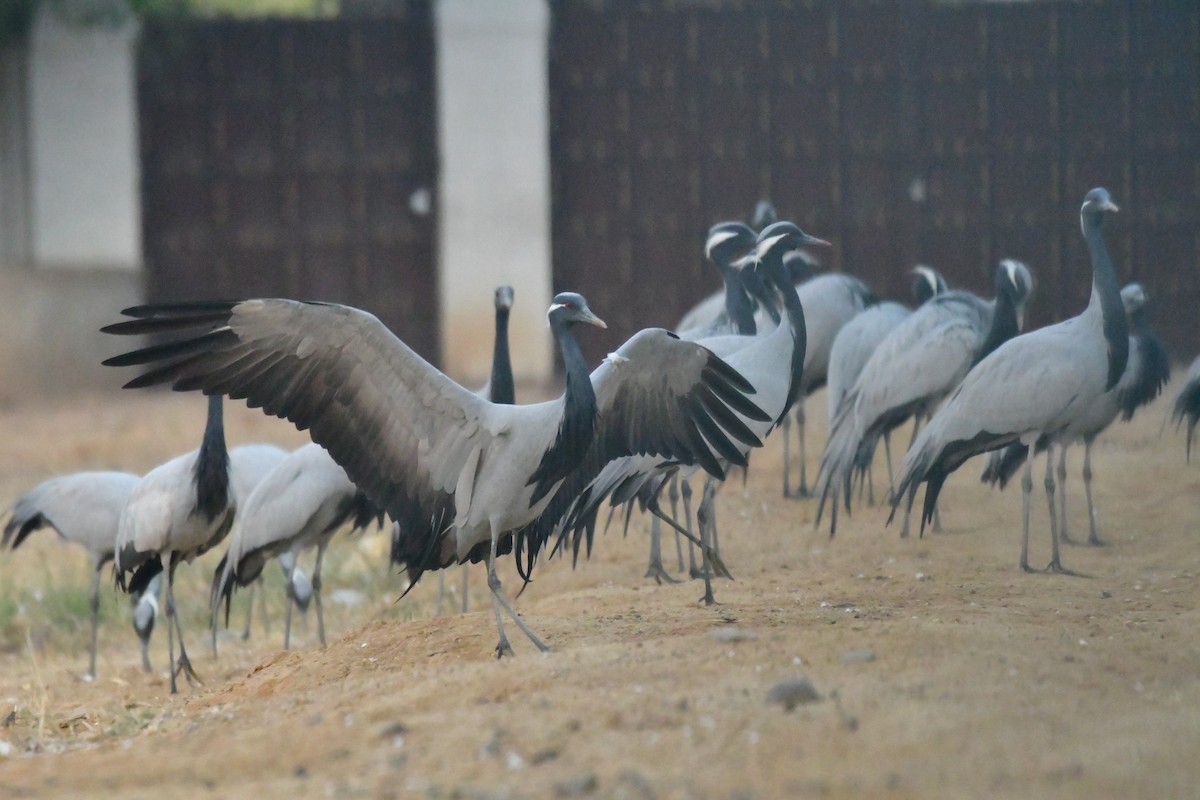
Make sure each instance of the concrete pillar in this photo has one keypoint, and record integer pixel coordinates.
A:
(495, 183)
(84, 179)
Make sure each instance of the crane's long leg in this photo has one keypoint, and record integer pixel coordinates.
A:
(466, 598)
(802, 491)
(655, 569)
(887, 450)
(289, 591)
(1062, 495)
(95, 604)
(785, 426)
(1049, 483)
(673, 495)
(702, 522)
(710, 499)
(714, 559)
(1093, 539)
(1026, 496)
(171, 630)
(316, 584)
(184, 664)
(498, 600)
(251, 591)
(686, 488)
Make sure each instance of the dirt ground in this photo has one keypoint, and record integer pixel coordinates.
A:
(942, 670)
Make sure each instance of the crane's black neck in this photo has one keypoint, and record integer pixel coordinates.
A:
(578, 417)
(1005, 322)
(780, 277)
(1104, 287)
(502, 388)
(738, 307)
(212, 465)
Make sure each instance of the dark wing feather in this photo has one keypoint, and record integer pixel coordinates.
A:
(400, 428)
(1153, 370)
(661, 396)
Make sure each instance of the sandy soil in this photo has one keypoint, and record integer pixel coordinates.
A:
(943, 671)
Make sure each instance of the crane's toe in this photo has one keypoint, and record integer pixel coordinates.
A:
(659, 574)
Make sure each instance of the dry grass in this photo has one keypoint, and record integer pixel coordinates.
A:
(985, 681)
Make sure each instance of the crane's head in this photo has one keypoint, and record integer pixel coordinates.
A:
(569, 308)
(726, 241)
(780, 238)
(1096, 203)
(504, 297)
(1133, 297)
(927, 283)
(1014, 280)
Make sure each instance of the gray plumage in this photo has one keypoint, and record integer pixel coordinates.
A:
(453, 470)
(920, 362)
(1146, 372)
(248, 465)
(83, 508)
(858, 339)
(1033, 385)
(299, 504)
(177, 511)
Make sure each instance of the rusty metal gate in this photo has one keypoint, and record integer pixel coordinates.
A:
(954, 134)
(294, 158)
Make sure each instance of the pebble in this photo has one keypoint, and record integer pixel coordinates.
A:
(733, 634)
(793, 692)
(577, 787)
(858, 657)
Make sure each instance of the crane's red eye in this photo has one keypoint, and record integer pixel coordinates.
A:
(569, 304)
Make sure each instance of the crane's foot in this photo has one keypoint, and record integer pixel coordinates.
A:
(184, 667)
(1057, 568)
(709, 599)
(503, 648)
(803, 493)
(1096, 541)
(1065, 538)
(1026, 568)
(659, 574)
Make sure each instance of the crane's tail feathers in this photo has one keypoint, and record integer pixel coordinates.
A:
(221, 590)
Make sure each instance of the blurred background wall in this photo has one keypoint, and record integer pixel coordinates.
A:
(407, 156)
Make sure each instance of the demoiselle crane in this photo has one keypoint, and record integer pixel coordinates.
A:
(177, 511)
(455, 472)
(1146, 372)
(920, 362)
(83, 508)
(857, 340)
(299, 504)
(1033, 385)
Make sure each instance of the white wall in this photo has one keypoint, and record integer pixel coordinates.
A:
(84, 177)
(495, 186)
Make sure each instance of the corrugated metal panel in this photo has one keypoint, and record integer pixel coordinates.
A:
(281, 157)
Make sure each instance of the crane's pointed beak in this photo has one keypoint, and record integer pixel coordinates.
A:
(813, 241)
(587, 316)
(1109, 205)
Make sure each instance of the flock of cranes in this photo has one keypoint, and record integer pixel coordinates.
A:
(471, 476)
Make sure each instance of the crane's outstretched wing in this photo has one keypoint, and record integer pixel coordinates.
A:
(656, 396)
(401, 429)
